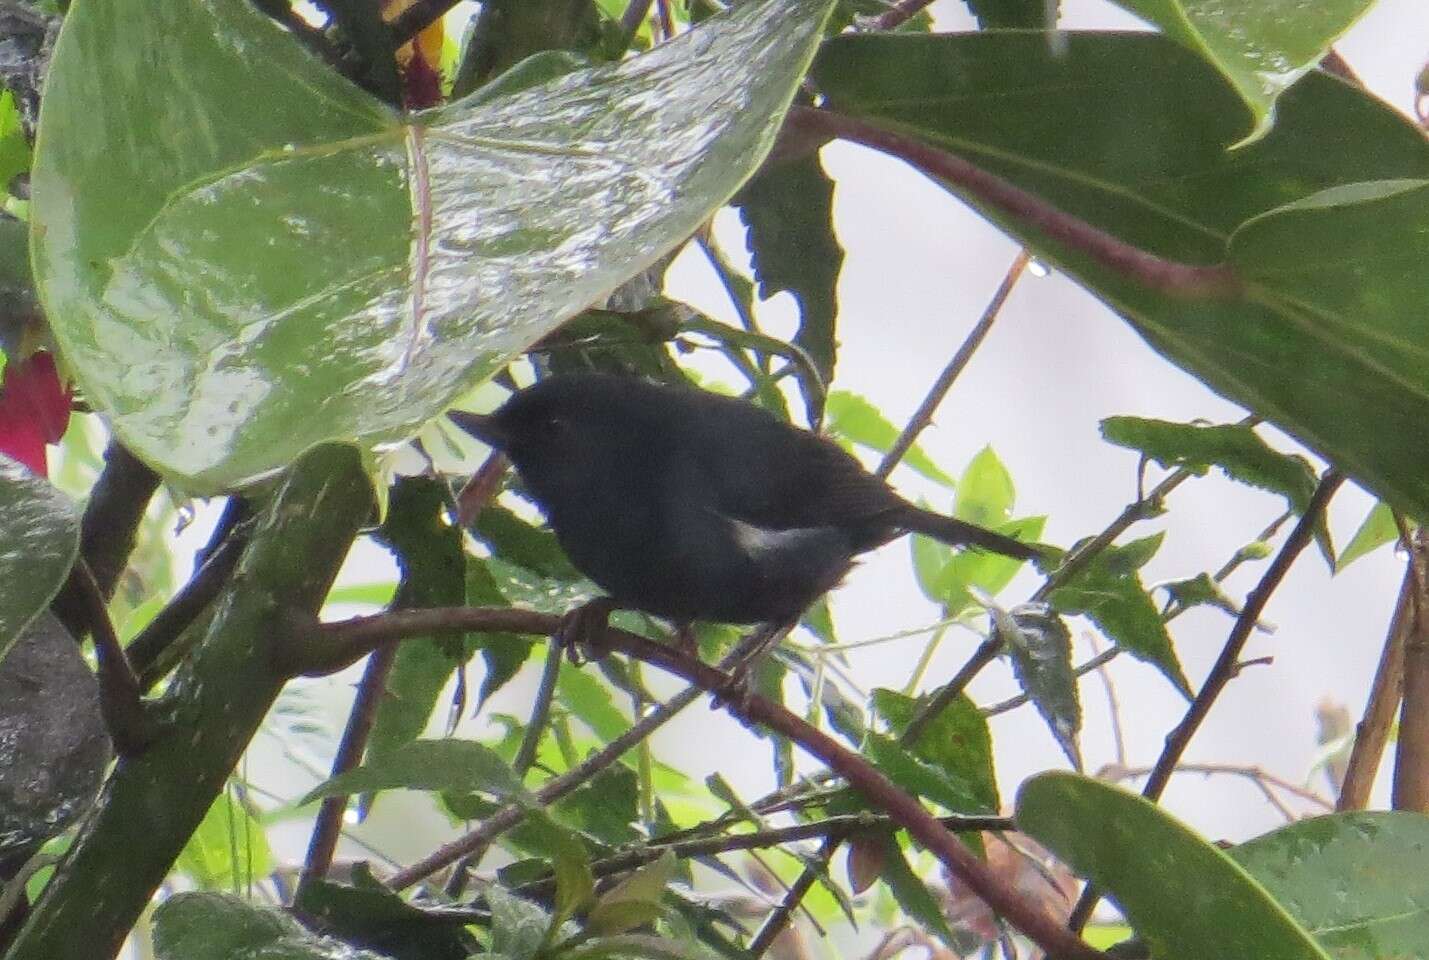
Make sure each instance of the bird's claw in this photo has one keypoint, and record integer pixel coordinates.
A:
(581, 633)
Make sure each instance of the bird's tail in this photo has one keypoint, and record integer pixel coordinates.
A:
(960, 533)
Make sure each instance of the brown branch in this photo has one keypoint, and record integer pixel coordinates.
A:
(902, 809)
(327, 826)
(1372, 732)
(481, 489)
(120, 701)
(899, 14)
(108, 529)
(1169, 277)
(417, 17)
(470, 844)
(923, 416)
(779, 917)
(1228, 664)
(158, 636)
(1411, 758)
(1249, 772)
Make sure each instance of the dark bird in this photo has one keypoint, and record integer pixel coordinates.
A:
(693, 506)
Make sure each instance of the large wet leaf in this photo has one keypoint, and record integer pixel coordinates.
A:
(39, 539)
(1183, 896)
(243, 255)
(1354, 880)
(1261, 47)
(1131, 133)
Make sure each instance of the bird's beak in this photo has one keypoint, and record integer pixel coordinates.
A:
(485, 427)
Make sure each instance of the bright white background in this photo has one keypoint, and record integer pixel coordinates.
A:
(919, 270)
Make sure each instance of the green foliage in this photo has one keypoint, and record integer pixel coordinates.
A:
(321, 266)
(1314, 225)
(1190, 899)
(1109, 592)
(40, 529)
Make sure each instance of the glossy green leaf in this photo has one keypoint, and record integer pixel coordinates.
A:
(1261, 47)
(214, 926)
(1235, 448)
(1377, 529)
(317, 267)
(1183, 896)
(459, 766)
(1356, 881)
(1109, 592)
(956, 745)
(788, 214)
(228, 851)
(1324, 338)
(1041, 648)
(850, 417)
(39, 528)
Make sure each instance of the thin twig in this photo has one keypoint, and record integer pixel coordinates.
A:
(841, 826)
(418, 16)
(779, 917)
(1227, 665)
(1169, 277)
(904, 810)
(1372, 732)
(481, 488)
(540, 711)
(551, 791)
(1410, 790)
(1112, 705)
(158, 636)
(109, 527)
(923, 416)
(635, 13)
(120, 699)
(899, 14)
(327, 826)
(1249, 772)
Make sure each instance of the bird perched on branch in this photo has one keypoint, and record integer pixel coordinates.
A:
(692, 506)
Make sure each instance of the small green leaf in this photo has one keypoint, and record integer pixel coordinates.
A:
(39, 527)
(433, 574)
(519, 928)
(1377, 529)
(1184, 897)
(1356, 881)
(788, 213)
(14, 148)
(957, 744)
(589, 700)
(215, 926)
(1235, 448)
(985, 492)
(946, 574)
(458, 766)
(850, 417)
(1109, 592)
(1041, 649)
(365, 912)
(228, 851)
(914, 897)
(1014, 14)
(1199, 591)
(635, 901)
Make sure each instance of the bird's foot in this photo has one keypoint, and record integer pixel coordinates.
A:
(685, 640)
(582, 631)
(738, 688)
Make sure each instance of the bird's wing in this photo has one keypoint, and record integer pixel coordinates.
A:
(783, 478)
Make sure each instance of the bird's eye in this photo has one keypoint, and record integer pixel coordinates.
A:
(553, 426)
